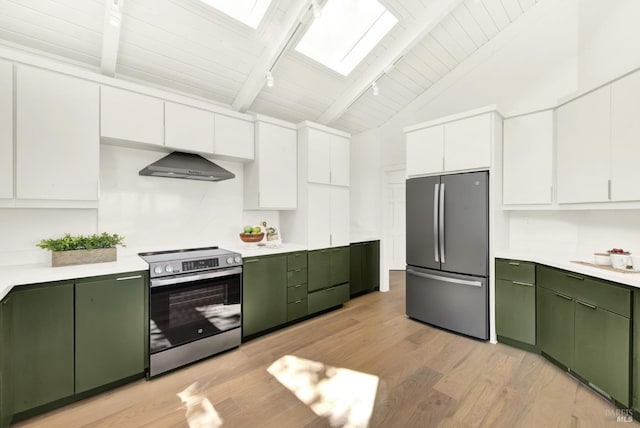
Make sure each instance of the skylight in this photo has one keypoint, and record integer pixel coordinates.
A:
(249, 12)
(346, 32)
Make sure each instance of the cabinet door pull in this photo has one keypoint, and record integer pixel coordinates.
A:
(252, 260)
(298, 286)
(126, 278)
(588, 305)
(298, 301)
(514, 263)
(579, 278)
(562, 296)
(298, 270)
(526, 284)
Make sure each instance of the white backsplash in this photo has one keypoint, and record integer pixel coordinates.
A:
(579, 233)
(154, 211)
(22, 229)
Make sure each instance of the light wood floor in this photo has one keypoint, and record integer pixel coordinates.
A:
(427, 378)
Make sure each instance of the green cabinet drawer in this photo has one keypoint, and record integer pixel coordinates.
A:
(516, 311)
(40, 356)
(516, 270)
(328, 298)
(585, 289)
(318, 269)
(298, 276)
(339, 272)
(555, 325)
(297, 260)
(602, 350)
(110, 329)
(297, 309)
(296, 292)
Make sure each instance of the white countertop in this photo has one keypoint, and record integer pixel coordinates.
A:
(563, 261)
(37, 273)
(128, 261)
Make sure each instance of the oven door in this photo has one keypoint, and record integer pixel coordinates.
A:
(189, 307)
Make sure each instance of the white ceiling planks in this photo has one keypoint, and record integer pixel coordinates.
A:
(453, 40)
(70, 29)
(189, 47)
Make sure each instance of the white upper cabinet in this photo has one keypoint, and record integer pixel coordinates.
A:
(340, 217)
(234, 137)
(328, 222)
(451, 144)
(57, 134)
(528, 159)
(188, 128)
(318, 224)
(327, 155)
(583, 136)
(625, 139)
(340, 155)
(6, 130)
(127, 115)
(425, 151)
(270, 181)
(467, 143)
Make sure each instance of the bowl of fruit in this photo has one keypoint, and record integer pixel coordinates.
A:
(619, 258)
(252, 234)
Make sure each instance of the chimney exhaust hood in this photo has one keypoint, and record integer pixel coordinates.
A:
(187, 166)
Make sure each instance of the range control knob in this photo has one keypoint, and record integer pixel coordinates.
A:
(238, 259)
(157, 269)
(229, 260)
(168, 268)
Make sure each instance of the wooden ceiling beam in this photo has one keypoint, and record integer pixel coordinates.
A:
(279, 40)
(433, 14)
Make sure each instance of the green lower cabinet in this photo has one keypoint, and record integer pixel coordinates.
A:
(5, 408)
(339, 269)
(601, 355)
(40, 354)
(297, 309)
(318, 269)
(264, 293)
(110, 329)
(364, 267)
(516, 310)
(328, 298)
(555, 324)
(636, 351)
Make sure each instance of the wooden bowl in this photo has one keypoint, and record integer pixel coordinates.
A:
(252, 237)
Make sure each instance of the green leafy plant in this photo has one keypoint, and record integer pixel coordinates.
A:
(81, 242)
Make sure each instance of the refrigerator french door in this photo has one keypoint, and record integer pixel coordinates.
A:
(447, 252)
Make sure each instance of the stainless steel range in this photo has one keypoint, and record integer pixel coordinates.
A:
(195, 306)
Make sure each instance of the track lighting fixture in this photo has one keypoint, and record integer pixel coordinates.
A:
(375, 89)
(317, 12)
(270, 81)
(115, 12)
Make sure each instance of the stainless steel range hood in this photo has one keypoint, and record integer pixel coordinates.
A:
(187, 166)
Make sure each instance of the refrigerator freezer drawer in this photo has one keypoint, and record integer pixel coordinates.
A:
(451, 301)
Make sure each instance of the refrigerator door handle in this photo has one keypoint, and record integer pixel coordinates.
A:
(445, 278)
(441, 232)
(436, 191)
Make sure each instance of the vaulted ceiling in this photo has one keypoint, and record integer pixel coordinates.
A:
(186, 46)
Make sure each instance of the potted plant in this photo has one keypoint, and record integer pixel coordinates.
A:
(80, 249)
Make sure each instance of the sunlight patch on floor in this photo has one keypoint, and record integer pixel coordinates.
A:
(344, 396)
(200, 413)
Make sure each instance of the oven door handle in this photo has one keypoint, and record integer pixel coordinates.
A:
(190, 278)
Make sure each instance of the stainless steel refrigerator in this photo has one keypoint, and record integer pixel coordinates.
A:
(448, 252)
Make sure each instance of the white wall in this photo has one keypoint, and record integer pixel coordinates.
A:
(157, 211)
(609, 35)
(22, 229)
